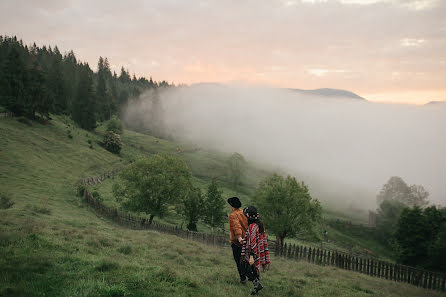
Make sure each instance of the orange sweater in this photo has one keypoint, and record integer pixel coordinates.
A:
(238, 224)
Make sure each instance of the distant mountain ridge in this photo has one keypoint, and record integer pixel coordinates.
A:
(327, 92)
(330, 93)
(435, 102)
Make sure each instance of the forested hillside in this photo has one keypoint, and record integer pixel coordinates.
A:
(36, 81)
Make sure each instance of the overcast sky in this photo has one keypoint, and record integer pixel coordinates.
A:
(383, 50)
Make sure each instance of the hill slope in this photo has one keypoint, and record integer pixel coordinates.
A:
(53, 244)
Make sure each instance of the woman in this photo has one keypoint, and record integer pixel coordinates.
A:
(255, 253)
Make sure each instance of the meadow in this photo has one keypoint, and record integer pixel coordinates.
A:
(53, 244)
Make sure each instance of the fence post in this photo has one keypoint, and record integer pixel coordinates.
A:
(289, 251)
(430, 280)
(296, 253)
(349, 260)
(425, 279)
(443, 281)
(284, 249)
(434, 281)
(325, 257)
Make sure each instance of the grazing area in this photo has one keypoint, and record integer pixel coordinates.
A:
(53, 244)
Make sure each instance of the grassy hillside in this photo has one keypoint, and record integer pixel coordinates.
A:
(53, 244)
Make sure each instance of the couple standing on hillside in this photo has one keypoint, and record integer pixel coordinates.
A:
(249, 243)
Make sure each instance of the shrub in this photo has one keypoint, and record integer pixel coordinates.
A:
(112, 142)
(80, 188)
(5, 201)
(96, 195)
(114, 125)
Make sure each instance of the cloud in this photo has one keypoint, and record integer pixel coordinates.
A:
(412, 42)
(323, 72)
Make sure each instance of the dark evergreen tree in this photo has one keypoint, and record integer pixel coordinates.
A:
(213, 207)
(37, 97)
(84, 107)
(14, 82)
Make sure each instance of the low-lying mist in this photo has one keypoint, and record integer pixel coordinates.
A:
(344, 148)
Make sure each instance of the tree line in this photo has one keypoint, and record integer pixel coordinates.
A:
(38, 81)
(413, 230)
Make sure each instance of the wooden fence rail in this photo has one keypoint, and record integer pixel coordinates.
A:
(381, 269)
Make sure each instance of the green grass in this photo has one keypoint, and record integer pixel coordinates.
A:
(54, 244)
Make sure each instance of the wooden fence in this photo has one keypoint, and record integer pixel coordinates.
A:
(394, 272)
(372, 267)
(136, 222)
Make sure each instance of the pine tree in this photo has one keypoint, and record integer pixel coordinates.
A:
(213, 210)
(37, 99)
(84, 107)
(14, 81)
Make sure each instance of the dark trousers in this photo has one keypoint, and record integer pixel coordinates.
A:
(236, 252)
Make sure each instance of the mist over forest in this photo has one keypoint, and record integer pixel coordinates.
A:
(344, 148)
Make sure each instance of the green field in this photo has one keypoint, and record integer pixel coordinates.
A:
(53, 244)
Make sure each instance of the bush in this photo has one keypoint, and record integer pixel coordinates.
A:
(115, 125)
(96, 195)
(5, 201)
(80, 188)
(112, 142)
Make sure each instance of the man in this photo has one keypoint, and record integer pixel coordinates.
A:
(238, 224)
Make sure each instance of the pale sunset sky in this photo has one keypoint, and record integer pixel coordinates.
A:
(383, 50)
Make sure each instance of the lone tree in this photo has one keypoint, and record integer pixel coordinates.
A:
(191, 209)
(397, 190)
(152, 184)
(286, 207)
(236, 164)
(213, 208)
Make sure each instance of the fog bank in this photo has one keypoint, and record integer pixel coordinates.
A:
(344, 148)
